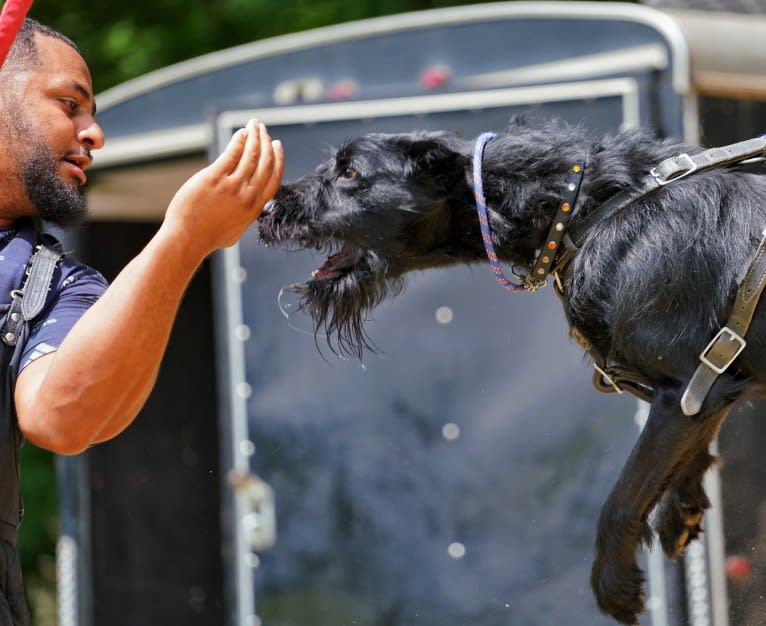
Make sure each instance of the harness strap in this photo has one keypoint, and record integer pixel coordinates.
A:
(668, 171)
(537, 275)
(613, 378)
(730, 341)
(28, 301)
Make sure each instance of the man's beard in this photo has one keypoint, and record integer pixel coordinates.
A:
(54, 200)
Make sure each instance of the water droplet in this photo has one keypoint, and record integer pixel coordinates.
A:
(451, 431)
(242, 332)
(244, 390)
(456, 550)
(444, 315)
(239, 274)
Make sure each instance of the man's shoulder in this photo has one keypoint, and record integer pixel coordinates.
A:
(73, 272)
(70, 271)
(18, 244)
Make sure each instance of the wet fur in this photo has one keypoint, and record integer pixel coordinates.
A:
(652, 283)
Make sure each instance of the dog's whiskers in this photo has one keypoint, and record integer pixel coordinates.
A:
(290, 309)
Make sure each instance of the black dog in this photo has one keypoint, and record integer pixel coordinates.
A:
(650, 285)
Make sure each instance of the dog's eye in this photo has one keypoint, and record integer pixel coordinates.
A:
(348, 172)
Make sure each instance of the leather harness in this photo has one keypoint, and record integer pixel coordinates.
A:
(561, 246)
(729, 342)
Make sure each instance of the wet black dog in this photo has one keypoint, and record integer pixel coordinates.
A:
(652, 283)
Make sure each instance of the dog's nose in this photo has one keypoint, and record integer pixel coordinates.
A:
(267, 208)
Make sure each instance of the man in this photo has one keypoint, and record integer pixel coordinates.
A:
(92, 358)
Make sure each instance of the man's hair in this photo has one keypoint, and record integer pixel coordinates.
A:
(23, 52)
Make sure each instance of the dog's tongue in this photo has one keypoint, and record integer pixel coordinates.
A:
(345, 258)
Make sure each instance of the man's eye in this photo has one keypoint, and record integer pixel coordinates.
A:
(72, 105)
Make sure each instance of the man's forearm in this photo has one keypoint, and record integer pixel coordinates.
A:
(93, 386)
(98, 379)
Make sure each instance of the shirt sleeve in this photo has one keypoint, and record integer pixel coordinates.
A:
(76, 294)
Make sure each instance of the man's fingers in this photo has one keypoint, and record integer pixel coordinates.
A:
(252, 153)
(266, 161)
(240, 156)
(275, 177)
(228, 159)
(250, 167)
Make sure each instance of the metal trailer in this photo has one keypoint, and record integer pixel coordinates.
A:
(426, 485)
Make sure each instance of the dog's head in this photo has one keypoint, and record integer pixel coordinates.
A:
(380, 208)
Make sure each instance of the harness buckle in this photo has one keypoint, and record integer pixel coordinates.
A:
(559, 284)
(532, 285)
(607, 378)
(664, 179)
(726, 352)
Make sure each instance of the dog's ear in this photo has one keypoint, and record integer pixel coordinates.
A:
(436, 160)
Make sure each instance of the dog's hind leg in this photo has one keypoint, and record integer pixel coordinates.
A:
(679, 519)
(668, 442)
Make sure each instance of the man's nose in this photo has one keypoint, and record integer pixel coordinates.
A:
(91, 135)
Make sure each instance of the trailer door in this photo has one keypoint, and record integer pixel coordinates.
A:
(433, 483)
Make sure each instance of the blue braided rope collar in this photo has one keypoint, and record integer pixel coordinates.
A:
(539, 268)
(481, 209)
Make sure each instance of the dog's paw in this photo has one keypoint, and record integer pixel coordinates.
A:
(679, 521)
(618, 589)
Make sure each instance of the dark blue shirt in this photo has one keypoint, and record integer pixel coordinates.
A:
(75, 287)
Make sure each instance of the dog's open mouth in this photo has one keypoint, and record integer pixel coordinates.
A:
(339, 263)
(352, 280)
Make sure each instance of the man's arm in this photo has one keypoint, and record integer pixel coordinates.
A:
(93, 386)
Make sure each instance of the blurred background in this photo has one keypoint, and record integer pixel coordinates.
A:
(124, 40)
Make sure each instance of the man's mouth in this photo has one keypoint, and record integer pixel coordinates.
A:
(75, 166)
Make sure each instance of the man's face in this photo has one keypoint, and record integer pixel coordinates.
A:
(49, 129)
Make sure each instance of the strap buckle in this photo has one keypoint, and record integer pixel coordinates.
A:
(525, 277)
(664, 179)
(608, 379)
(724, 333)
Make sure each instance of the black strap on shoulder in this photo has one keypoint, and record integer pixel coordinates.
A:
(730, 341)
(28, 302)
(669, 171)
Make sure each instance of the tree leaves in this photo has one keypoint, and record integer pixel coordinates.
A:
(126, 39)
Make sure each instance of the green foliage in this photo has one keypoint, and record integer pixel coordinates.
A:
(38, 485)
(121, 40)
(39, 532)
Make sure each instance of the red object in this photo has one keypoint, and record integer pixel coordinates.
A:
(435, 77)
(738, 567)
(342, 90)
(14, 12)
